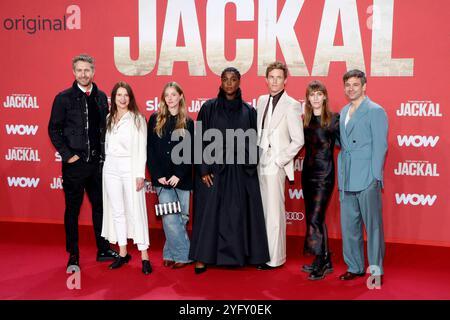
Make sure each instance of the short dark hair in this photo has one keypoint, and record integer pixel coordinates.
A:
(231, 69)
(355, 73)
(277, 65)
(83, 57)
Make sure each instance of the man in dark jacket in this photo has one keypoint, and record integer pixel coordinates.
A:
(76, 129)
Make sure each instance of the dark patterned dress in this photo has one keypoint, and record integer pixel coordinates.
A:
(318, 181)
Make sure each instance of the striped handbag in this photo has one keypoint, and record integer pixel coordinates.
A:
(165, 208)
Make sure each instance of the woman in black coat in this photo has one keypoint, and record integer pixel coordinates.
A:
(228, 226)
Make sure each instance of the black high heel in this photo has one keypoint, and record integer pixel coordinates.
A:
(146, 267)
(120, 261)
(200, 270)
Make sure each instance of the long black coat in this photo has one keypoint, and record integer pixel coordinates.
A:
(228, 225)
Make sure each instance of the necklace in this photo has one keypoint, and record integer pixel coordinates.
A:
(116, 122)
(117, 117)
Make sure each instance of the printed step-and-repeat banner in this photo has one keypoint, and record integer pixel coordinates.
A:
(401, 44)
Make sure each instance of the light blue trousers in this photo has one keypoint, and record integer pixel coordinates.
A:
(176, 247)
(357, 208)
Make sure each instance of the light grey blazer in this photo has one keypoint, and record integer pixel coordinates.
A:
(363, 146)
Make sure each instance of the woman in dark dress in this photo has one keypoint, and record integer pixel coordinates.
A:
(321, 129)
(228, 226)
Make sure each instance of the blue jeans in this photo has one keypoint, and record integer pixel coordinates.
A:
(176, 247)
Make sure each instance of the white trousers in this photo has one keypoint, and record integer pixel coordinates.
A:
(117, 173)
(272, 184)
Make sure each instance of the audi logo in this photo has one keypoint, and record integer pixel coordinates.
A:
(295, 216)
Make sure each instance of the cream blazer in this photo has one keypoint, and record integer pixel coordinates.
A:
(285, 131)
(137, 221)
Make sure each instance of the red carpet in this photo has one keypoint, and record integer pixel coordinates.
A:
(33, 267)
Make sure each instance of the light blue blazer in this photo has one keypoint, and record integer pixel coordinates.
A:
(363, 146)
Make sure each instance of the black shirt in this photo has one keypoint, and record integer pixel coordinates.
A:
(275, 100)
(159, 150)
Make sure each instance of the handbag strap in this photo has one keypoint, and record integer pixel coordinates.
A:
(172, 189)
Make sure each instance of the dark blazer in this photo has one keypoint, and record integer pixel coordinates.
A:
(159, 149)
(68, 129)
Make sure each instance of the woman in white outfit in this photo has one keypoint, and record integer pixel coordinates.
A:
(124, 207)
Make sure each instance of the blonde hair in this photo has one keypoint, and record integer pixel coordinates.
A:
(163, 110)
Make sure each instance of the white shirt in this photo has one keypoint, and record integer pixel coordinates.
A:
(347, 117)
(118, 139)
(83, 89)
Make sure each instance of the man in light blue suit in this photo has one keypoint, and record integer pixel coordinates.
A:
(363, 131)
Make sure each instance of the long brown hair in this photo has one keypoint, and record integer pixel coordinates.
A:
(163, 110)
(132, 106)
(325, 116)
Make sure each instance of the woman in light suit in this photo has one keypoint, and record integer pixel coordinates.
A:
(124, 207)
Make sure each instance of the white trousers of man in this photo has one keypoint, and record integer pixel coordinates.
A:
(272, 184)
(117, 173)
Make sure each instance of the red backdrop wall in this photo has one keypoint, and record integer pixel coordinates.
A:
(401, 44)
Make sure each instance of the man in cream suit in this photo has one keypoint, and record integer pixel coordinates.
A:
(280, 137)
(363, 131)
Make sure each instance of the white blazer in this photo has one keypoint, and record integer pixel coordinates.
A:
(285, 131)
